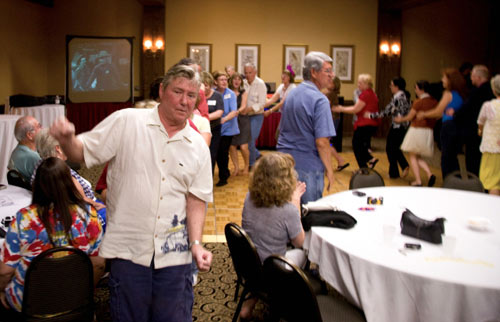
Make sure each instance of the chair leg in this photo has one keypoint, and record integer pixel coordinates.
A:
(238, 282)
(240, 304)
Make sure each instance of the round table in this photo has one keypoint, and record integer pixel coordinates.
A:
(12, 199)
(391, 283)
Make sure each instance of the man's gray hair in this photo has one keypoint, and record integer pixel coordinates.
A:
(177, 71)
(46, 144)
(250, 65)
(23, 126)
(314, 60)
(481, 71)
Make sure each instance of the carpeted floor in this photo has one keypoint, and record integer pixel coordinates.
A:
(213, 295)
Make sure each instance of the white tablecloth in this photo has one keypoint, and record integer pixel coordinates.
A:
(426, 285)
(11, 200)
(8, 143)
(45, 114)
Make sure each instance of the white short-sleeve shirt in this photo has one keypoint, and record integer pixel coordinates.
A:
(149, 178)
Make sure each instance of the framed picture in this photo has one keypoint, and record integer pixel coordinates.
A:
(247, 53)
(202, 54)
(343, 62)
(293, 55)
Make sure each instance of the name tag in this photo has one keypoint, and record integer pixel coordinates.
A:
(227, 96)
(211, 102)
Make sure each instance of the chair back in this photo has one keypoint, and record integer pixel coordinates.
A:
(463, 181)
(364, 178)
(59, 286)
(290, 292)
(246, 260)
(15, 178)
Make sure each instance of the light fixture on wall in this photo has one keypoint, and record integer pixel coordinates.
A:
(151, 50)
(393, 49)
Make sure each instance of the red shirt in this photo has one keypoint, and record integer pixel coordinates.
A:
(371, 105)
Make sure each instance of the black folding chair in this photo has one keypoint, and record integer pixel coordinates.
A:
(247, 265)
(364, 178)
(15, 178)
(59, 287)
(291, 296)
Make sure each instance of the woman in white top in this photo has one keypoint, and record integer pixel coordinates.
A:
(287, 78)
(489, 128)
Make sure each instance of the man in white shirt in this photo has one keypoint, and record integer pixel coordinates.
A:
(159, 181)
(256, 99)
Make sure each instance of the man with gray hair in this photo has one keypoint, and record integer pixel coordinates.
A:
(24, 157)
(159, 182)
(466, 116)
(256, 99)
(306, 126)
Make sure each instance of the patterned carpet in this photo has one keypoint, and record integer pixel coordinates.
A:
(213, 295)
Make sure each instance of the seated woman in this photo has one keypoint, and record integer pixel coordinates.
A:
(47, 146)
(271, 214)
(57, 216)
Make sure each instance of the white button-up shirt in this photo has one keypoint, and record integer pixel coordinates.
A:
(149, 178)
(256, 98)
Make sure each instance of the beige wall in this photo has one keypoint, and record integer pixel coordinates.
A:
(442, 34)
(35, 63)
(23, 58)
(271, 24)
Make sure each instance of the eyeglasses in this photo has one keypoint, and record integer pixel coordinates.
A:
(328, 70)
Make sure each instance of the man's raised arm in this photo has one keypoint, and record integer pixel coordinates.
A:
(64, 132)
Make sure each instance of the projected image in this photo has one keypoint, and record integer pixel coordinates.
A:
(99, 69)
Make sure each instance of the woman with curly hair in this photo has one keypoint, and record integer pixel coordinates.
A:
(271, 214)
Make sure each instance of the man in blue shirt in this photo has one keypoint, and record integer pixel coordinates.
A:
(24, 157)
(306, 126)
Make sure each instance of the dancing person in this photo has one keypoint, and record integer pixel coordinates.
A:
(398, 106)
(229, 127)
(489, 127)
(364, 127)
(160, 169)
(271, 212)
(332, 92)
(287, 79)
(215, 110)
(256, 98)
(466, 117)
(306, 126)
(243, 139)
(419, 140)
(452, 99)
(57, 217)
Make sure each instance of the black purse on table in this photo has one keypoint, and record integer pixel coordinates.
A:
(419, 228)
(328, 218)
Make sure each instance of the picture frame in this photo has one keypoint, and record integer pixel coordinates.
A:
(247, 53)
(202, 54)
(343, 62)
(293, 55)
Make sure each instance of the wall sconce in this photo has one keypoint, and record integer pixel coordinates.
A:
(393, 50)
(153, 51)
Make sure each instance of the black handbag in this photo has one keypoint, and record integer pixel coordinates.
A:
(328, 218)
(416, 227)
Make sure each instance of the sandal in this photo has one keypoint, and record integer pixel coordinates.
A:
(342, 167)
(414, 184)
(371, 164)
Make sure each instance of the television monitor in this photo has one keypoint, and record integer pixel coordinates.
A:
(99, 69)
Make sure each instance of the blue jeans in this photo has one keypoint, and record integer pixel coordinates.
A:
(315, 182)
(140, 293)
(255, 126)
